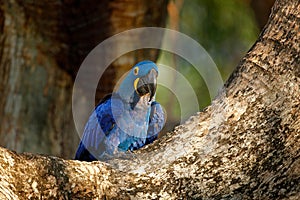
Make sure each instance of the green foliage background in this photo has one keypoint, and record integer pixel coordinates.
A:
(226, 29)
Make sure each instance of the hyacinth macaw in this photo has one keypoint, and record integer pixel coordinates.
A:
(125, 120)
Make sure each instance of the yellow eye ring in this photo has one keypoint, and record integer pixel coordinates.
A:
(136, 71)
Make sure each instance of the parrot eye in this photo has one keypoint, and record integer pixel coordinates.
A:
(136, 71)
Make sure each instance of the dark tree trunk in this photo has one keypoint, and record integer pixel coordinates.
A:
(246, 145)
(262, 10)
(42, 45)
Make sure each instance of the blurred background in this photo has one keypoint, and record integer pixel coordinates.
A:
(42, 45)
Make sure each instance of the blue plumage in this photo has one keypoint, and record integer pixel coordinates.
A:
(126, 120)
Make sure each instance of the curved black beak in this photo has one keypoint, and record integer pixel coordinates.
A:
(147, 84)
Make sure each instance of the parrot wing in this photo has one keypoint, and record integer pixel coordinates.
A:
(101, 123)
(98, 127)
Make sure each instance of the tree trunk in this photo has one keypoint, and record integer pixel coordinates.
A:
(42, 45)
(244, 146)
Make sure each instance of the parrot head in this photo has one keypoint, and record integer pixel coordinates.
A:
(140, 81)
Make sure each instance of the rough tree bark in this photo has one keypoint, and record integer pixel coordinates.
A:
(244, 146)
(42, 44)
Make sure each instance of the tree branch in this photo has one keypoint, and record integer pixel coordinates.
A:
(244, 146)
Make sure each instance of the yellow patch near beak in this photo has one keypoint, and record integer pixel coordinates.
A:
(135, 83)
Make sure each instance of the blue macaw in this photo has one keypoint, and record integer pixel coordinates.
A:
(125, 120)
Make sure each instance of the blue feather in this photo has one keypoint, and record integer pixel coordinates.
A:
(125, 120)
